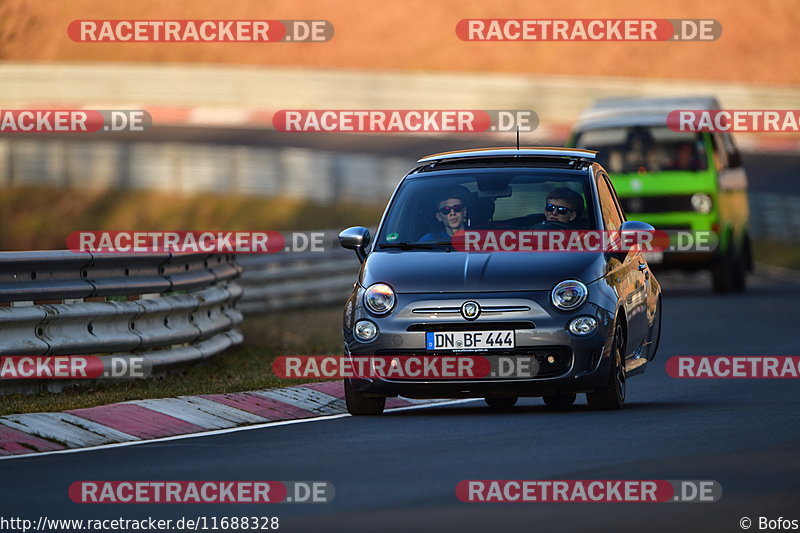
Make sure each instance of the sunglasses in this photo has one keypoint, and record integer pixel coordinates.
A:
(456, 208)
(559, 209)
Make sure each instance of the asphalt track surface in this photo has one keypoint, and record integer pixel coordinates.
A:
(399, 472)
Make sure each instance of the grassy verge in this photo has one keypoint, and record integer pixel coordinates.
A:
(782, 254)
(40, 218)
(248, 367)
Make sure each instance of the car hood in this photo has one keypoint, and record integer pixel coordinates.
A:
(440, 271)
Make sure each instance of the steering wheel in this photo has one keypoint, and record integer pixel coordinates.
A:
(552, 224)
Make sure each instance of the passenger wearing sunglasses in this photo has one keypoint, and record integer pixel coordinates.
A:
(451, 211)
(561, 209)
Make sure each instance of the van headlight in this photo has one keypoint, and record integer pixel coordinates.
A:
(701, 203)
(569, 295)
(379, 298)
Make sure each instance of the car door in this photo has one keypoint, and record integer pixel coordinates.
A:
(629, 269)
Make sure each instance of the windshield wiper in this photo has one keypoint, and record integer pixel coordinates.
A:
(404, 245)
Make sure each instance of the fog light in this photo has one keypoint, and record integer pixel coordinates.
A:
(551, 359)
(583, 325)
(365, 330)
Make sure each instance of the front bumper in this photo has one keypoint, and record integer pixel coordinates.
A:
(581, 363)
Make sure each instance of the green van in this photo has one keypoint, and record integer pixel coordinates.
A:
(693, 182)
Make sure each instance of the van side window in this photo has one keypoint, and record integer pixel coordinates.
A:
(720, 157)
(734, 159)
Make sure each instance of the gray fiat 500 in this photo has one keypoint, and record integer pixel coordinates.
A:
(586, 320)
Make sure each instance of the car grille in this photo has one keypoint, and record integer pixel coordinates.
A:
(469, 326)
(561, 365)
(486, 309)
(656, 204)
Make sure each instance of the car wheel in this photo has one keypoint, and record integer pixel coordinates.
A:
(359, 404)
(501, 404)
(612, 395)
(561, 400)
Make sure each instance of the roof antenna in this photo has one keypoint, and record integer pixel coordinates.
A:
(517, 136)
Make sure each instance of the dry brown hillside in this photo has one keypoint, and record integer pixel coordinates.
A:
(759, 43)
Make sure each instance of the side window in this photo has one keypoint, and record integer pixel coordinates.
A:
(615, 197)
(720, 157)
(734, 159)
(611, 214)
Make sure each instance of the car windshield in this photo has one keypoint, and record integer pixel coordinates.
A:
(428, 209)
(645, 149)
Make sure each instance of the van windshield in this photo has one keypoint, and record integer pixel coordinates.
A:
(645, 149)
(428, 210)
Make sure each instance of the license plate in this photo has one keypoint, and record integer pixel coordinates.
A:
(654, 257)
(469, 340)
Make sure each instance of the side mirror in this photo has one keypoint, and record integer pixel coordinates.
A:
(635, 225)
(356, 238)
(631, 227)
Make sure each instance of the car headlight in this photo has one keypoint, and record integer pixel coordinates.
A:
(365, 330)
(701, 203)
(569, 295)
(379, 298)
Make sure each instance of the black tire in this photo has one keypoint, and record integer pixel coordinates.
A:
(561, 400)
(359, 404)
(748, 255)
(501, 404)
(740, 271)
(612, 395)
(730, 272)
(722, 273)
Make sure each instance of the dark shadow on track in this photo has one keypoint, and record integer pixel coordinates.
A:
(481, 410)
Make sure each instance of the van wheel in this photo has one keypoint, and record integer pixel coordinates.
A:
(359, 404)
(724, 272)
(741, 268)
(561, 400)
(612, 395)
(501, 404)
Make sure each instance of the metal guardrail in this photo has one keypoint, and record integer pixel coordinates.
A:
(284, 281)
(168, 309)
(775, 217)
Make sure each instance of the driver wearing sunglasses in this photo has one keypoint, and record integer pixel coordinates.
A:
(562, 206)
(451, 211)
